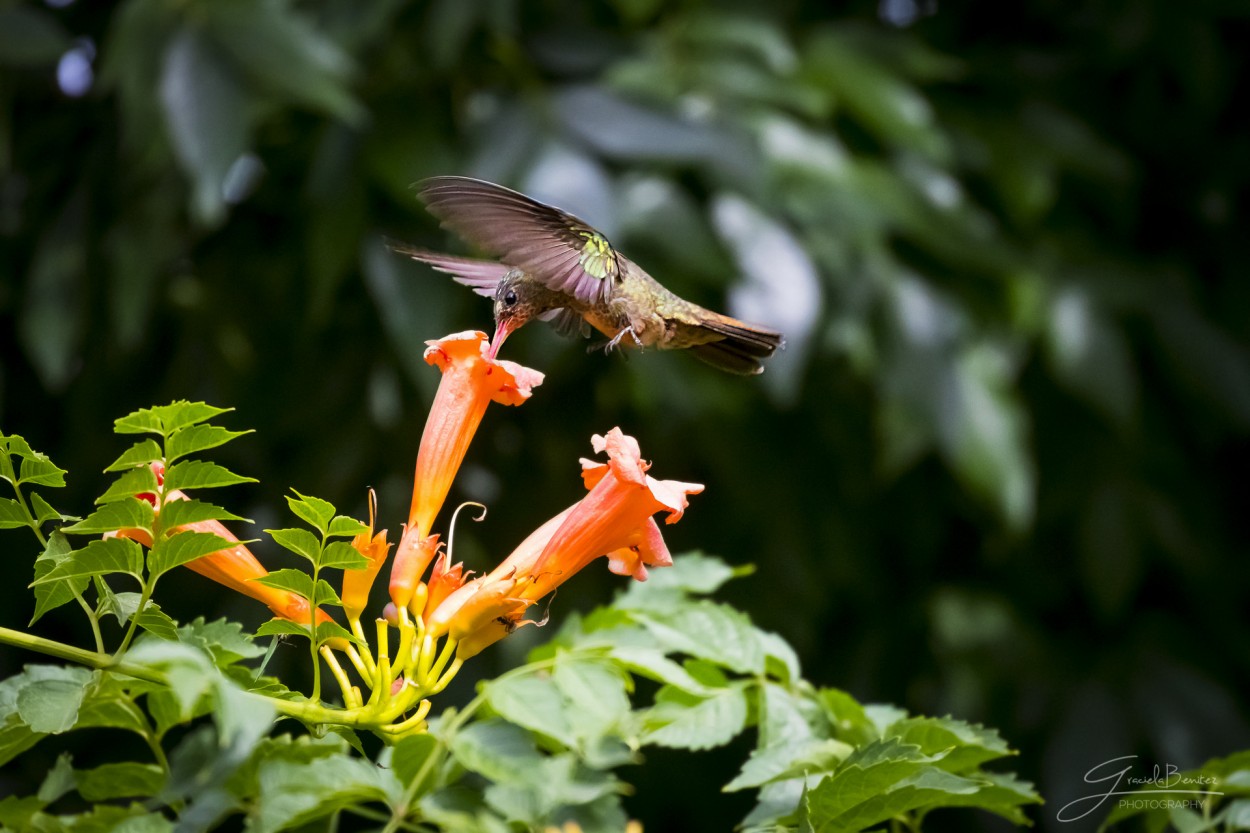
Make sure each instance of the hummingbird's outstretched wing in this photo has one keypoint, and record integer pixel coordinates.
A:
(552, 245)
(482, 276)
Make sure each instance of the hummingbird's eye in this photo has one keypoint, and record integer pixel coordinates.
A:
(509, 298)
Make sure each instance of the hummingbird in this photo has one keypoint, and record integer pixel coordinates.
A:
(555, 267)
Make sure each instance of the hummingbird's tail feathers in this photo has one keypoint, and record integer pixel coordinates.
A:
(740, 348)
(482, 276)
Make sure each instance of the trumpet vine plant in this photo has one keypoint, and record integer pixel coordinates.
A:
(537, 748)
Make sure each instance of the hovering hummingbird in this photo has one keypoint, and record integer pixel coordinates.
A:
(555, 267)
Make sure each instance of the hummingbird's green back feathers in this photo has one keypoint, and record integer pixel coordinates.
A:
(560, 250)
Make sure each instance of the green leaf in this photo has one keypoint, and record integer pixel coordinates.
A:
(158, 623)
(847, 717)
(292, 794)
(411, 754)
(194, 438)
(12, 515)
(44, 511)
(709, 631)
(965, 746)
(127, 513)
(226, 641)
(314, 511)
(119, 605)
(165, 419)
(201, 474)
(344, 555)
(107, 555)
(679, 720)
(497, 749)
(133, 482)
(691, 574)
(282, 627)
(533, 702)
(177, 513)
(59, 780)
(596, 690)
(38, 470)
(343, 525)
(653, 664)
(110, 705)
(30, 37)
(811, 756)
(56, 593)
(140, 454)
(120, 780)
(182, 547)
(299, 541)
(326, 595)
(327, 631)
(868, 775)
(49, 699)
(296, 581)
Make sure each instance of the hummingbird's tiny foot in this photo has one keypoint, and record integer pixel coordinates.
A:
(616, 340)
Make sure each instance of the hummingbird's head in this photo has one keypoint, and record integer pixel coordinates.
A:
(516, 303)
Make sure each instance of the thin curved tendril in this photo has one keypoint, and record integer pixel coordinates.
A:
(451, 531)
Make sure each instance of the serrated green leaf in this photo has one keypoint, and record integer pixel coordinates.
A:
(121, 606)
(201, 474)
(343, 525)
(296, 581)
(653, 664)
(862, 799)
(134, 482)
(52, 595)
(314, 511)
(812, 756)
(679, 720)
(195, 438)
(299, 541)
(127, 513)
(867, 775)
(847, 717)
(120, 780)
(282, 627)
(158, 623)
(140, 454)
(49, 698)
(38, 470)
(182, 547)
(499, 750)
(44, 511)
(11, 514)
(226, 641)
(177, 513)
(292, 794)
(343, 555)
(107, 555)
(327, 631)
(326, 595)
(165, 419)
(710, 631)
(965, 745)
(597, 692)
(411, 754)
(110, 705)
(533, 702)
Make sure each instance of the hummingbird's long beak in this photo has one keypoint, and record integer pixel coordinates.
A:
(502, 327)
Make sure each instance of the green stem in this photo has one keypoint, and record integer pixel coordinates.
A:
(144, 597)
(94, 620)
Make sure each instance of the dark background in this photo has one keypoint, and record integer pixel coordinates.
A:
(993, 475)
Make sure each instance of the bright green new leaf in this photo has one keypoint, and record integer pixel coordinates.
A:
(344, 555)
(201, 474)
(182, 547)
(11, 514)
(343, 525)
(99, 557)
(297, 581)
(165, 419)
(299, 541)
(194, 438)
(126, 513)
(56, 593)
(130, 483)
(140, 454)
(333, 630)
(176, 513)
(314, 511)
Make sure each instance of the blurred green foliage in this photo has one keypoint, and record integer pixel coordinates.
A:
(991, 475)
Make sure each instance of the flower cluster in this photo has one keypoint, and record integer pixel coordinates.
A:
(442, 613)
